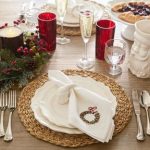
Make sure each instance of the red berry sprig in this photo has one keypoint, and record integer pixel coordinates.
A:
(13, 62)
(3, 26)
(17, 22)
(6, 71)
(23, 50)
(26, 51)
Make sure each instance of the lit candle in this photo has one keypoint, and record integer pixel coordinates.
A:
(11, 38)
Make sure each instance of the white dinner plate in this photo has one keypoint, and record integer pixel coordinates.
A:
(45, 122)
(42, 109)
(72, 17)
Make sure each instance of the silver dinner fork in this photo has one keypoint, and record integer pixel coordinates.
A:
(11, 106)
(3, 106)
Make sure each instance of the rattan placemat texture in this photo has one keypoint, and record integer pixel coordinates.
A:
(122, 117)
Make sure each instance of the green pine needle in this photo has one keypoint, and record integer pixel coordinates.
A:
(20, 69)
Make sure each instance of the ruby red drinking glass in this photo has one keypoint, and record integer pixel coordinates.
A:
(105, 30)
(47, 30)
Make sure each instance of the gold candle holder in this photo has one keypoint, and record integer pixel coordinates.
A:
(11, 38)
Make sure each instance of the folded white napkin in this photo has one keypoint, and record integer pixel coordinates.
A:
(71, 106)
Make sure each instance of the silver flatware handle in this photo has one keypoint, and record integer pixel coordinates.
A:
(148, 123)
(140, 135)
(8, 135)
(2, 132)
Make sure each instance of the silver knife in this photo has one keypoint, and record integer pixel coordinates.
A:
(140, 135)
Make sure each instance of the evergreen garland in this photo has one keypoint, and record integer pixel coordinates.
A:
(18, 68)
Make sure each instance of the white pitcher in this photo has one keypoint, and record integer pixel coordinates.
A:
(139, 59)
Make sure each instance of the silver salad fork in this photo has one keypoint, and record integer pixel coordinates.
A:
(11, 106)
(3, 107)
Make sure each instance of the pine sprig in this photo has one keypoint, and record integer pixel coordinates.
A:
(20, 67)
(7, 85)
(5, 55)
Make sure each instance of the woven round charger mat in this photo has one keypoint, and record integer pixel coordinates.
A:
(72, 31)
(122, 117)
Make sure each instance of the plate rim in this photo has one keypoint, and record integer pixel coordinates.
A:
(77, 24)
(115, 14)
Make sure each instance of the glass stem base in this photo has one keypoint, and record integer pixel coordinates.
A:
(62, 40)
(85, 63)
(115, 70)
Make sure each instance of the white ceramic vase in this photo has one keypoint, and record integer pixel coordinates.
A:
(139, 59)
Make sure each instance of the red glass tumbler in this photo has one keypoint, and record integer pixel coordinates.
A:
(105, 30)
(47, 30)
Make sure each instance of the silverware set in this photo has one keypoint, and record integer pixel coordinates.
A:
(141, 99)
(7, 101)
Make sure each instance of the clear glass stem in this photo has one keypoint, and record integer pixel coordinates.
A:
(62, 27)
(85, 50)
(114, 67)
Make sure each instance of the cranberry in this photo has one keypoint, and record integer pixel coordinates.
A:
(23, 21)
(145, 6)
(31, 51)
(15, 22)
(140, 10)
(2, 27)
(142, 14)
(135, 12)
(19, 50)
(125, 9)
(25, 49)
(140, 7)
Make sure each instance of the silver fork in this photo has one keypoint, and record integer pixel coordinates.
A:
(3, 107)
(11, 106)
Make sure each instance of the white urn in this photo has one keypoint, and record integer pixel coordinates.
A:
(139, 59)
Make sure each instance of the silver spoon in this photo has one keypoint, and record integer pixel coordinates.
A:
(145, 102)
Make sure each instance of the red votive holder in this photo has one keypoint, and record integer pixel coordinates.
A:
(105, 30)
(47, 30)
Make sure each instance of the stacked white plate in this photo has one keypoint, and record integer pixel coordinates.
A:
(72, 16)
(42, 110)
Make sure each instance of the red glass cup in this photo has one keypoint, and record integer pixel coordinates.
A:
(47, 30)
(105, 30)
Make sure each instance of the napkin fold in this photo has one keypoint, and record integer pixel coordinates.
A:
(75, 107)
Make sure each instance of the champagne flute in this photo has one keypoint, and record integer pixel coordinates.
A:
(61, 11)
(31, 14)
(86, 24)
(115, 55)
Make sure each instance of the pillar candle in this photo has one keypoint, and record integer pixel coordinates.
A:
(11, 38)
